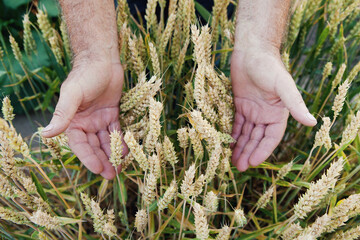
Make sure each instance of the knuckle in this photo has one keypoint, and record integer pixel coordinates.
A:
(60, 113)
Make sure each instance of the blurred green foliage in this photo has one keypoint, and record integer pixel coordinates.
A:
(11, 17)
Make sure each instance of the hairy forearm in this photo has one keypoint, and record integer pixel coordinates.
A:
(92, 29)
(261, 23)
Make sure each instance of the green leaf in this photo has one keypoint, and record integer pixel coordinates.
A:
(81, 188)
(122, 190)
(51, 6)
(15, 4)
(2, 73)
(255, 234)
(50, 93)
(39, 187)
(51, 175)
(203, 12)
(69, 160)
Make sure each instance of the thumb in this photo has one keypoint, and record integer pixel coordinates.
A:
(68, 104)
(291, 97)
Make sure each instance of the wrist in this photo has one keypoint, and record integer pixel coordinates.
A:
(105, 54)
(246, 42)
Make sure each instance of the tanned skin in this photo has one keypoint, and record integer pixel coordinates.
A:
(89, 98)
(88, 107)
(264, 92)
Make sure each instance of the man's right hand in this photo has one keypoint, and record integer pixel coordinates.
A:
(88, 110)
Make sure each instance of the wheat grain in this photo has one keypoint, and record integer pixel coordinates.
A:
(318, 190)
(15, 140)
(224, 166)
(342, 212)
(181, 59)
(204, 128)
(136, 60)
(150, 189)
(198, 186)
(292, 231)
(322, 136)
(136, 151)
(266, 197)
(155, 109)
(189, 93)
(187, 187)
(336, 47)
(155, 165)
(201, 225)
(55, 149)
(139, 93)
(240, 218)
(150, 15)
(350, 234)
(183, 137)
(160, 153)
(103, 223)
(351, 129)
(349, 9)
(12, 216)
(154, 59)
(45, 220)
(327, 70)
(200, 95)
(7, 109)
(55, 48)
(284, 170)
(141, 219)
(213, 162)
(354, 72)
(211, 202)
(127, 161)
(44, 25)
(65, 38)
(339, 75)
(316, 229)
(169, 151)
(311, 8)
(167, 32)
(29, 42)
(224, 233)
(340, 98)
(169, 195)
(116, 148)
(295, 23)
(16, 50)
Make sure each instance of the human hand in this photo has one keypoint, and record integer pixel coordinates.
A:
(88, 109)
(264, 93)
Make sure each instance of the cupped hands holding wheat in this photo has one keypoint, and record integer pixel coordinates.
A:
(264, 93)
(88, 109)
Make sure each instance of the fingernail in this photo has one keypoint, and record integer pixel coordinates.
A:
(311, 117)
(48, 128)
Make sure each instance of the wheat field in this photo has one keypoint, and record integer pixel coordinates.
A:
(176, 114)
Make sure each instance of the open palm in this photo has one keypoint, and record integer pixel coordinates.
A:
(88, 109)
(264, 93)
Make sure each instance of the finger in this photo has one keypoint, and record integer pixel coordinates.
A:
(243, 139)
(291, 97)
(108, 170)
(272, 137)
(79, 144)
(256, 136)
(65, 110)
(104, 138)
(237, 126)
